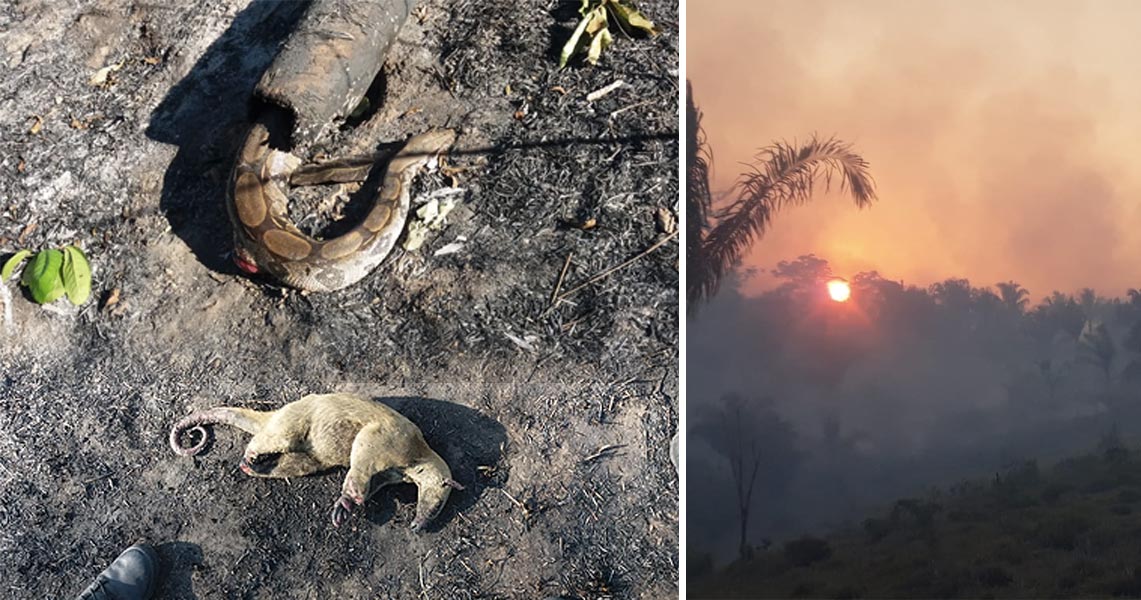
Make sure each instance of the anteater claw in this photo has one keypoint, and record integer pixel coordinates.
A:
(342, 508)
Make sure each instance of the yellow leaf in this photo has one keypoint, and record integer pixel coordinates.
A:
(631, 18)
(596, 21)
(572, 43)
(597, 45)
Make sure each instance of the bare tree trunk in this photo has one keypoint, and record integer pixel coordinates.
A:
(742, 548)
(744, 486)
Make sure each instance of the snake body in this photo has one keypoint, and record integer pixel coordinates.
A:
(267, 241)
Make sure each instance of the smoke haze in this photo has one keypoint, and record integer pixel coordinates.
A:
(1002, 136)
(1003, 139)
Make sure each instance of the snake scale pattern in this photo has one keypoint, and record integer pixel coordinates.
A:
(267, 241)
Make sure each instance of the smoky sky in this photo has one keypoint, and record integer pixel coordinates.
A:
(1004, 138)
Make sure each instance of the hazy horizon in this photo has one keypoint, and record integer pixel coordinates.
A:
(1001, 136)
(758, 279)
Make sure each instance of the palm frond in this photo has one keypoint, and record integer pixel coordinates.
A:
(1014, 295)
(699, 163)
(780, 175)
(698, 198)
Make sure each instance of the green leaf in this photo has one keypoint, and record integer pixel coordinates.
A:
(76, 275)
(597, 45)
(42, 276)
(12, 263)
(630, 18)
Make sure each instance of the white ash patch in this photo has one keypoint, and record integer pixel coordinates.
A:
(46, 197)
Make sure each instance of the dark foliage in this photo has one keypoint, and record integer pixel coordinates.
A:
(806, 551)
(1081, 543)
(993, 576)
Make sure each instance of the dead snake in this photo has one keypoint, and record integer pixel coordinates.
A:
(266, 239)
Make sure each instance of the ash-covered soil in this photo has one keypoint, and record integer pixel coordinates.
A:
(519, 396)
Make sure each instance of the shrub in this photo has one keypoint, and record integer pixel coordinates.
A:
(802, 590)
(1017, 500)
(965, 515)
(950, 585)
(1082, 569)
(877, 529)
(698, 564)
(1101, 540)
(806, 551)
(1116, 456)
(918, 511)
(1099, 485)
(1112, 449)
(925, 582)
(846, 592)
(1128, 587)
(1020, 474)
(1055, 491)
(992, 577)
(1012, 551)
(1061, 532)
(965, 489)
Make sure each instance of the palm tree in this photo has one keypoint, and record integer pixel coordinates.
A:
(1096, 347)
(1052, 375)
(955, 294)
(1014, 296)
(1088, 299)
(780, 174)
(1057, 312)
(1132, 340)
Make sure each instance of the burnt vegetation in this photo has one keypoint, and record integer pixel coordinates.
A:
(513, 390)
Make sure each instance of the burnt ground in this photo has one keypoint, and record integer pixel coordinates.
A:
(516, 395)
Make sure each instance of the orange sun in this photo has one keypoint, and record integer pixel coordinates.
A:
(839, 291)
